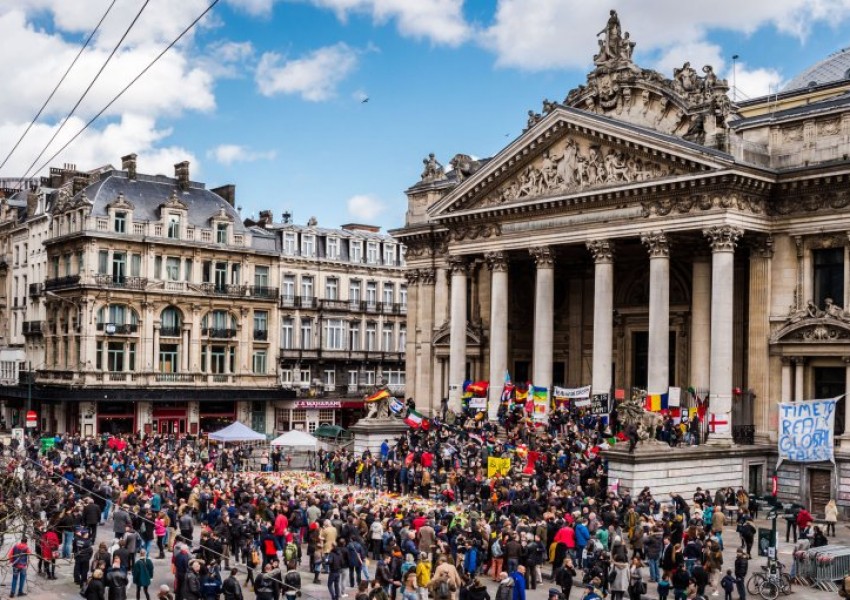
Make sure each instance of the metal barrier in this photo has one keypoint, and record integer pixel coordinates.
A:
(822, 567)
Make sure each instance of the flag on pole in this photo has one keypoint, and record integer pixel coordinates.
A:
(478, 389)
(414, 419)
(379, 395)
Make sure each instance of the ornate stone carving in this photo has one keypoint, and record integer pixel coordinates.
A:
(476, 231)
(412, 276)
(723, 238)
(615, 47)
(544, 258)
(832, 200)
(497, 261)
(656, 243)
(829, 127)
(462, 165)
(602, 250)
(686, 204)
(427, 276)
(762, 246)
(458, 265)
(121, 203)
(433, 170)
(792, 134)
(575, 165)
(174, 202)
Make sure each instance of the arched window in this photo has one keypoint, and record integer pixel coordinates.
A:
(117, 315)
(219, 323)
(172, 322)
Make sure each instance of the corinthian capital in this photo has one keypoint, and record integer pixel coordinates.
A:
(412, 276)
(497, 261)
(656, 243)
(427, 276)
(458, 265)
(602, 250)
(723, 238)
(543, 256)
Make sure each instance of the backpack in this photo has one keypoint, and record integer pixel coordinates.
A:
(290, 552)
(443, 589)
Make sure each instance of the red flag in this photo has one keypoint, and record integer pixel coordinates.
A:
(532, 459)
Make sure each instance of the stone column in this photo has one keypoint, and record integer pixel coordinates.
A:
(722, 240)
(659, 311)
(186, 348)
(799, 379)
(425, 327)
(700, 322)
(845, 437)
(603, 314)
(785, 392)
(441, 295)
(758, 377)
(498, 263)
(544, 298)
(410, 363)
(457, 333)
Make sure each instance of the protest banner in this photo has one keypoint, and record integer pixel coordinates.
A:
(500, 466)
(599, 404)
(806, 430)
(581, 392)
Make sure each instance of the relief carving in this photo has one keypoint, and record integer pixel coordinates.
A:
(474, 232)
(684, 204)
(829, 127)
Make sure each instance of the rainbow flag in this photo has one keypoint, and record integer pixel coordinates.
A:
(657, 402)
(379, 395)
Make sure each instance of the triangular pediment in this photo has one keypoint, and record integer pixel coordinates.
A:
(569, 152)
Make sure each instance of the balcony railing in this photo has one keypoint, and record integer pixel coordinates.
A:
(58, 283)
(32, 327)
(237, 291)
(36, 290)
(175, 377)
(128, 283)
(308, 302)
(336, 305)
(288, 301)
(261, 335)
(218, 333)
(116, 329)
(262, 292)
(169, 332)
(134, 379)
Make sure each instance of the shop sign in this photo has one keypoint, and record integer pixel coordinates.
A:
(318, 404)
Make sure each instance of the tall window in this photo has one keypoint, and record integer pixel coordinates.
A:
(355, 251)
(221, 233)
(218, 320)
(135, 265)
(119, 267)
(402, 295)
(261, 277)
(829, 276)
(187, 270)
(402, 337)
(289, 243)
(371, 293)
(174, 227)
(389, 293)
(170, 322)
(332, 248)
(387, 335)
(308, 245)
(287, 334)
(353, 378)
(117, 314)
(220, 275)
(354, 295)
(354, 336)
(168, 358)
(332, 288)
(371, 337)
(288, 288)
(115, 356)
(394, 377)
(306, 333)
(372, 253)
(172, 268)
(389, 254)
(333, 334)
(260, 362)
(330, 377)
(261, 321)
(120, 222)
(307, 287)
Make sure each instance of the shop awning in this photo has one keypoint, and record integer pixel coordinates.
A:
(237, 432)
(296, 439)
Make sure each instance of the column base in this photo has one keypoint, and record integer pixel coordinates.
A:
(720, 442)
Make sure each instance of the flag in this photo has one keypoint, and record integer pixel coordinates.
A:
(521, 393)
(467, 393)
(657, 402)
(498, 466)
(396, 406)
(414, 419)
(478, 389)
(507, 393)
(379, 395)
(532, 458)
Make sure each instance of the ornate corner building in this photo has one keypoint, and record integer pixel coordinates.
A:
(648, 232)
(140, 303)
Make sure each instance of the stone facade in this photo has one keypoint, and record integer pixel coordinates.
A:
(645, 232)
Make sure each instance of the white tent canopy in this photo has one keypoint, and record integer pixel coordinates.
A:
(237, 432)
(296, 439)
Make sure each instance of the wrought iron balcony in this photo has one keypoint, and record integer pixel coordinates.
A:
(36, 289)
(744, 434)
(128, 283)
(261, 335)
(118, 329)
(58, 283)
(32, 328)
(218, 333)
(288, 301)
(343, 305)
(236, 291)
(262, 292)
(169, 332)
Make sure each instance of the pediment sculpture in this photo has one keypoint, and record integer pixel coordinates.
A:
(174, 203)
(574, 165)
(121, 203)
(813, 324)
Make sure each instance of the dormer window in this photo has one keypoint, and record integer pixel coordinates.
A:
(372, 253)
(308, 245)
(355, 251)
(221, 233)
(289, 243)
(174, 227)
(120, 222)
(333, 248)
(389, 255)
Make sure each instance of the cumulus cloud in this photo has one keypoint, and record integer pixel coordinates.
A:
(255, 8)
(227, 154)
(365, 207)
(565, 30)
(314, 77)
(440, 21)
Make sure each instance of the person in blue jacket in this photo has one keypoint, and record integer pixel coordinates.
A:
(519, 583)
(582, 537)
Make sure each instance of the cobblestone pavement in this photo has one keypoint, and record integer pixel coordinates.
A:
(63, 588)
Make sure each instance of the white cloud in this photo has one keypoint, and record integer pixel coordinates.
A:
(255, 8)
(565, 30)
(364, 207)
(440, 21)
(314, 77)
(227, 154)
(752, 83)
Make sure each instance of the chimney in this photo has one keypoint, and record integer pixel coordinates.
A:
(228, 192)
(128, 163)
(79, 184)
(32, 203)
(181, 174)
(266, 218)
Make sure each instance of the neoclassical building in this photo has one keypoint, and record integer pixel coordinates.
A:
(646, 232)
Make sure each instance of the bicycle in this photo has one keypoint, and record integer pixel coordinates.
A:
(767, 581)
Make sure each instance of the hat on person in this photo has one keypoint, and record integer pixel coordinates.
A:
(164, 588)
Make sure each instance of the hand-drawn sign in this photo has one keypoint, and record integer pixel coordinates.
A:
(806, 430)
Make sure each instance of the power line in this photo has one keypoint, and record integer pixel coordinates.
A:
(129, 85)
(55, 89)
(88, 89)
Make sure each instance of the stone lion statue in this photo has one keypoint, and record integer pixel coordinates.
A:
(632, 412)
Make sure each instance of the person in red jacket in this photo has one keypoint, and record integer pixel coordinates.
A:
(804, 517)
(49, 551)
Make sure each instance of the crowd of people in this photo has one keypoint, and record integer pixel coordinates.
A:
(424, 517)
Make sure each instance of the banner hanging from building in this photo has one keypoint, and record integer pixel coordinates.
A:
(806, 430)
(572, 393)
(599, 404)
(675, 397)
(541, 403)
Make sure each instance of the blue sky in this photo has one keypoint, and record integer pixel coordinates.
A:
(267, 93)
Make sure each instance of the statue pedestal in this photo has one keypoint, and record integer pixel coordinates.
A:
(665, 469)
(369, 434)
